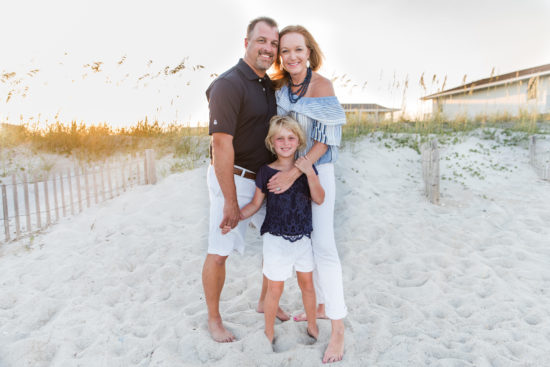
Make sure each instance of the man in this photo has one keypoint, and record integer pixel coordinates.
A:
(241, 102)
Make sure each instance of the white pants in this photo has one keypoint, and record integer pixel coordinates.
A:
(224, 244)
(327, 276)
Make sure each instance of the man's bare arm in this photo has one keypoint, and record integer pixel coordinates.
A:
(223, 158)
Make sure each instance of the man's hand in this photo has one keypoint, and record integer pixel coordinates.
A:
(281, 181)
(231, 214)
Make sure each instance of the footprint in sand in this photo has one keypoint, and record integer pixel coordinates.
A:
(533, 319)
(417, 281)
(7, 300)
(456, 302)
(194, 308)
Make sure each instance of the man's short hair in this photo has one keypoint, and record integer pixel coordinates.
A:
(270, 22)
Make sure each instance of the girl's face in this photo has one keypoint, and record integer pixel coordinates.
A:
(294, 53)
(285, 143)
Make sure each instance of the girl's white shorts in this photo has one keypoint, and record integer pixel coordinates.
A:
(281, 255)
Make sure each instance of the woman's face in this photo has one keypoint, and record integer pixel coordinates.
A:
(294, 53)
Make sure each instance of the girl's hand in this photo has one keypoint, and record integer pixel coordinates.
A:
(304, 165)
(226, 229)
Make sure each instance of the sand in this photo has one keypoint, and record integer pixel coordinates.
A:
(465, 283)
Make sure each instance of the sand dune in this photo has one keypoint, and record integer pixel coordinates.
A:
(466, 283)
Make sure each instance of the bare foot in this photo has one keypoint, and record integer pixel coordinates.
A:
(281, 314)
(219, 333)
(313, 332)
(303, 317)
(270, 336)
(335, 349)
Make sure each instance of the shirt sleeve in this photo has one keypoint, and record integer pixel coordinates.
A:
(261, 179)
(224, 102)
(326, 134)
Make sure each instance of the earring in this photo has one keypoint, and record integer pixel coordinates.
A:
(307, 63)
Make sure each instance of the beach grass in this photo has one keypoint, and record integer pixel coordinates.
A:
(189, 144)
(96, 142)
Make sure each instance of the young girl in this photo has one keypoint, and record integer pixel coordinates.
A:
(287, 227)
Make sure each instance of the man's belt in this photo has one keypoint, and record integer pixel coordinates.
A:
(244, 173)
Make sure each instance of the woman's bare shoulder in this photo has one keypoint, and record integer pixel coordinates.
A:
(321, 86)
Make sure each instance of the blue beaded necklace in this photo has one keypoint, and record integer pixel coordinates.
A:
(295, 97)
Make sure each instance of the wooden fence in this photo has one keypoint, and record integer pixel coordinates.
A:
(31, 204)
(430, 170)
(540, 160)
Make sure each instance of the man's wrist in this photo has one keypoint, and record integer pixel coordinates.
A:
(231, 201)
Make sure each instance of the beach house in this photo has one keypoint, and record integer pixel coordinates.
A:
(512, 94)
(371, 111)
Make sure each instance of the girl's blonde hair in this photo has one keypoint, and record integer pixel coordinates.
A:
(280, 76)
(277, 123)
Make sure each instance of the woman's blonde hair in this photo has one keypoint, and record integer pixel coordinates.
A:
(280, 76)
(277, 123)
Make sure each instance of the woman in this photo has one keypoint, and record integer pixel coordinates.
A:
(309, 98)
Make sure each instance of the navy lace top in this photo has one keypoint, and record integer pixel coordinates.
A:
(288, 214)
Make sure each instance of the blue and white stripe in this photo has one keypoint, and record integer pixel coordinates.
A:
(320, 117)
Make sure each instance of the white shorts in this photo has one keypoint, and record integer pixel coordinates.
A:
(218, 243)
(281, 255)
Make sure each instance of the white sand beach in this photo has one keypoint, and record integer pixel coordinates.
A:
(463, 283)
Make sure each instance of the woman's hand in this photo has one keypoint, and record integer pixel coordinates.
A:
(304, 165)
(281, 181)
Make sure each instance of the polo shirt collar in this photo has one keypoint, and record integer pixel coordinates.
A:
(248, 72)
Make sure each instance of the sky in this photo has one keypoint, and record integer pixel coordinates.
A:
(376, 52)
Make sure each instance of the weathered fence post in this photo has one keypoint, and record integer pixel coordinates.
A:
(62, 193)
(533, 150)
(430, 170)
(109, 179)
(37, 203)
(56, 203)
(122, 176)
(434, 177)
(69, 182)
(5, 211)
(151, 169)
(16, 206)
(27, 205)
(95, 184)
(87, 185)
(47, 198)
(78, 191)
(145, 171)
(103, 182)
(541, 166)
(138, 173)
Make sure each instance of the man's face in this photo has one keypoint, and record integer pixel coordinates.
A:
(261, 47)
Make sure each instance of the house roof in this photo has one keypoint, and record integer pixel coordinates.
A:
(367, 107)
(494, 80)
